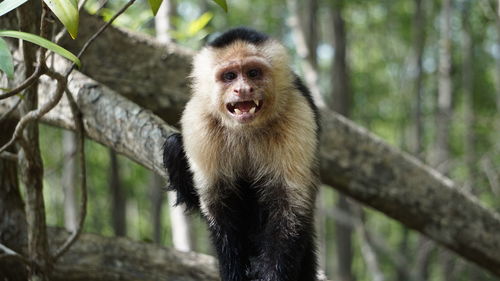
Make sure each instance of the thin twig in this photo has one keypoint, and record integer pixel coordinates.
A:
(39, 112)
(26, 83)
(77, 116)
(91, 39)
(11, 254)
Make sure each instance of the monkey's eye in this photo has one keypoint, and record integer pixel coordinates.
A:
(229, 76)
(254, 73)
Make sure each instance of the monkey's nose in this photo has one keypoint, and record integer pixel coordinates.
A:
(243, 91)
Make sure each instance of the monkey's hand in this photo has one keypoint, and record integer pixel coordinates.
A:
(181, 178)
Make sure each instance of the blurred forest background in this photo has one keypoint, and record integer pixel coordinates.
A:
(422, 74)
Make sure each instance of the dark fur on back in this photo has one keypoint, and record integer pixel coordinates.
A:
(181, 178)
(239, 33)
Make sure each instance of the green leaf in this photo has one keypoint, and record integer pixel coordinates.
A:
(155, 5)
(6, 63)
(67, 12)
(9, 5)
(199, 23)
(35, 39)
(222, 3)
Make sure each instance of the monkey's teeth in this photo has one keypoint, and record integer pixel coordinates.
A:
(232, 104)
(252, 111)
(237, 111)
(256, 102)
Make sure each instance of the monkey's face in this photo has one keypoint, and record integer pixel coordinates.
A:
(243, 85)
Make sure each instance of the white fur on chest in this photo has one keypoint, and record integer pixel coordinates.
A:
(283, 152)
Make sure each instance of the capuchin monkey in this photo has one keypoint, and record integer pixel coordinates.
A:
(247, 158)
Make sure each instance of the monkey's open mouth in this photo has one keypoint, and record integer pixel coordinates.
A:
(244, 110)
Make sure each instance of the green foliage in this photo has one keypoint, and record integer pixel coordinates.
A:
(9, 5)
(155, 5)
(222, 3)
(67, 12)
(35, 39)
(6, 64)
(193, 28)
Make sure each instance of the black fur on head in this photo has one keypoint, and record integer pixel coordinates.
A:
(240, 33)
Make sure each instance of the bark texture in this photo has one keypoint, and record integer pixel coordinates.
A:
(99, 258)
(147, 72)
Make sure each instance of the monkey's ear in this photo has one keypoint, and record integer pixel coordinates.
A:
(181, 178)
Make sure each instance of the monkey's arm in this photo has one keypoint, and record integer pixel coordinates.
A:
(181, 178)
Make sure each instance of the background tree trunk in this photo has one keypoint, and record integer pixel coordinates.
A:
(444, 112)
(419, 37)
(305, 37)
(340, 103)
(468, 90)
(118, 197)
(445, 94)
(497, 60)
(425, 247)
(69, 181)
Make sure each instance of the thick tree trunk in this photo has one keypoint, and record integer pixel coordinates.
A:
(30, 161)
